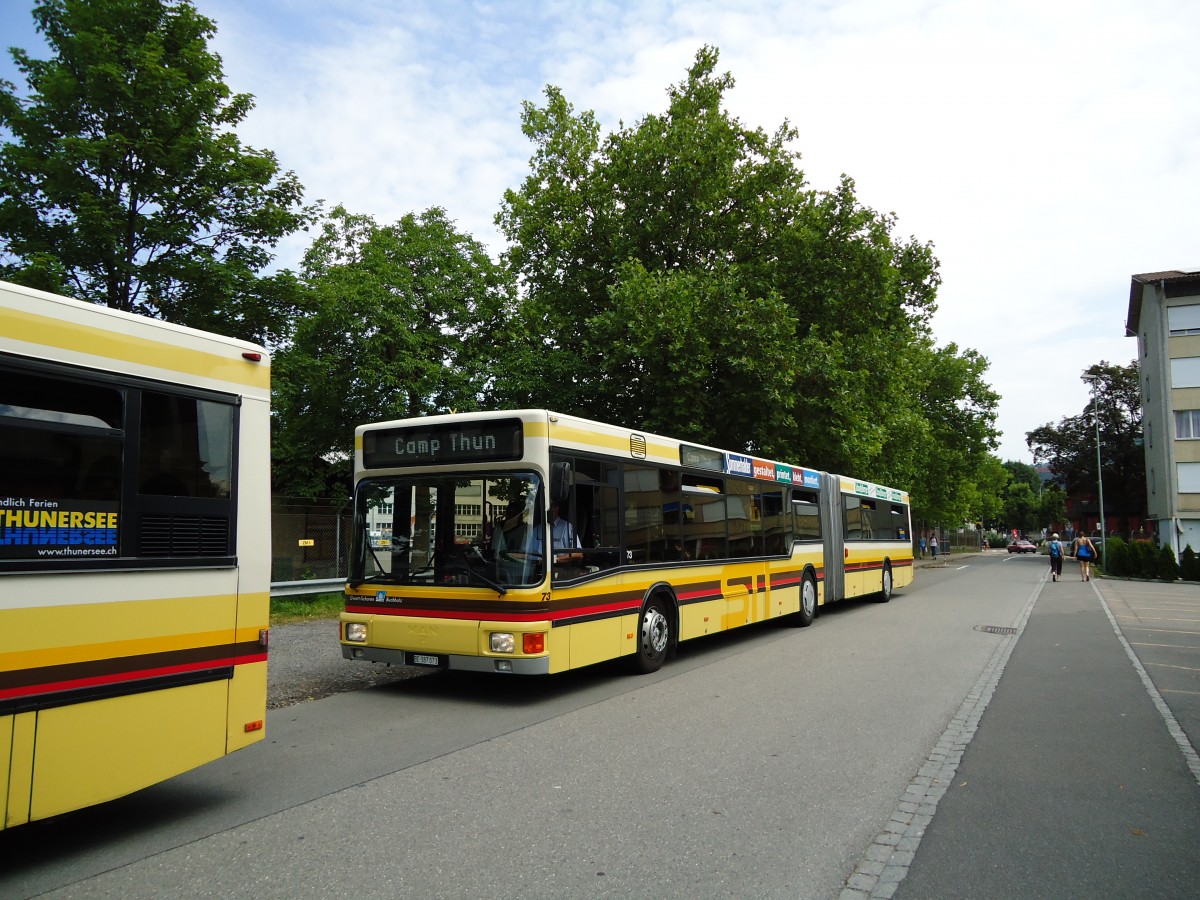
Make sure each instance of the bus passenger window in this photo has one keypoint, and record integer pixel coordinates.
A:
(598, 513)
(745, 519)
(777, 537)
(186, 447)
(644, 534)
(705, 519)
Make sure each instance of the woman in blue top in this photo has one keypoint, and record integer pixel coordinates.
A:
(1085, 552)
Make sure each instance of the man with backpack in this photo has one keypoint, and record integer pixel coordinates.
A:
(1055, 549)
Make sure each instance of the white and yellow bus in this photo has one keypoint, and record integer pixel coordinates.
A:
(657, 541)
(134, 551)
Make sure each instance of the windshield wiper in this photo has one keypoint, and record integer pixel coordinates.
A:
(495, 586)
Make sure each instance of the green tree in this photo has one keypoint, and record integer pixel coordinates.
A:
(684, 278)
(1029, 505)
(1053, 506)
(1189, 565)
(1023, 473)
(945, 417)
(1022, 509)
(1069, 447)
(1168, 567)
(659, 208)
(401, 320)
(1119, 558)
(123, 182)
(989, 483)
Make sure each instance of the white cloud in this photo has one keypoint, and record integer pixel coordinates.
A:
(1049, 151)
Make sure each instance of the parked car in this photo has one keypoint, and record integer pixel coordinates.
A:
(1021, 546)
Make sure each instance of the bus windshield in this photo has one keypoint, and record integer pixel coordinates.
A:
(450, 530)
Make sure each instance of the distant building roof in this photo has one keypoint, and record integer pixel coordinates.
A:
(1175, 277)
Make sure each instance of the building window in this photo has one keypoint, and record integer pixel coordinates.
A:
(1189, 477)
(1185, 372)
(1187, 424)
(1183, 320)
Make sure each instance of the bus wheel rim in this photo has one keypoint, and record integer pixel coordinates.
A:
(654, 631)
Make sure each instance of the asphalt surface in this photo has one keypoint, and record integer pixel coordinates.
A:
(1068, 771)
(800, 766)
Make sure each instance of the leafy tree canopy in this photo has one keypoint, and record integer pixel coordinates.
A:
(684, 278)
(1069, 447)
(123, 182)
(400, 320)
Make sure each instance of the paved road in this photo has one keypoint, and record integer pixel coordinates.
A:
(776, 762)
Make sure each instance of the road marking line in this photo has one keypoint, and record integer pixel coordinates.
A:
(1173, 727)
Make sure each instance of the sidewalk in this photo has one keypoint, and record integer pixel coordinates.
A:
(1071, 786)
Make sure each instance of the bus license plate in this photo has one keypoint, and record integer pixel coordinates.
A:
(424, 659)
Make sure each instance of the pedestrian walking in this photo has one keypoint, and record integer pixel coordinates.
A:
(1085, 552)
(933, 545)
(1055, 549)
(922, 546)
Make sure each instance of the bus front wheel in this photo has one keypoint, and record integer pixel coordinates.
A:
(654, 636)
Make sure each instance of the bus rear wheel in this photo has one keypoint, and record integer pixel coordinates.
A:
(885, 593)
(808, 602)
(654, 637)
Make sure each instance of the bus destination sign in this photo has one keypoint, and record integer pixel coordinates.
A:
(439, 445)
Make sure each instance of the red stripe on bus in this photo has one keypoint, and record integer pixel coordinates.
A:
(547, 615)
(131, 677)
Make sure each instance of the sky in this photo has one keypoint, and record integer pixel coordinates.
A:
(1047, 151)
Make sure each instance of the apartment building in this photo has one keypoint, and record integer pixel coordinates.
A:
(1164, 316)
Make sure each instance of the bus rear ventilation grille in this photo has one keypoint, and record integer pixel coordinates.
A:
(184, 536)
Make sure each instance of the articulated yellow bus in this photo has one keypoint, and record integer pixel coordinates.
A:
(532, 542)
(134, 551)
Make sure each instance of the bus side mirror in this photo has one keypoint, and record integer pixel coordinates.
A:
(560, 482)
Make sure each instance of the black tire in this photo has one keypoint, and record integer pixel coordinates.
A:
(653, 636)
(885, 590)
(808, 602)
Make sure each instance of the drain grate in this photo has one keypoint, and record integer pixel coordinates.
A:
(996, 629)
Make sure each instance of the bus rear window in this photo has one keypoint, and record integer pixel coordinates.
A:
(100, 471)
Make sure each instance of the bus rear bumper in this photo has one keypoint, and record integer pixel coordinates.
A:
(537, 665)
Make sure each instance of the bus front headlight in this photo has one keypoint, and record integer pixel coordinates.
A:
(503, 642)
(356, 632)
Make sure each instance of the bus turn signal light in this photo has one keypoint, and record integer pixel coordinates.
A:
(533, 643)
(256, 725)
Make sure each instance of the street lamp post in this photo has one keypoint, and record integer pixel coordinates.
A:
(1095, 380)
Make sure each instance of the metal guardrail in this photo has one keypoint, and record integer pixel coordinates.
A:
(308, 586)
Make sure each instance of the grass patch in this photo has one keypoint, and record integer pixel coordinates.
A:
(306, 608)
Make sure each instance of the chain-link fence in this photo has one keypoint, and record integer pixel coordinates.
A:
(309, 540)
(950, 540)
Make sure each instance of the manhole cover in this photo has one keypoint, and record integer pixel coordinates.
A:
(996, 629)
